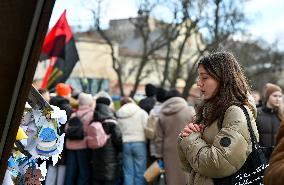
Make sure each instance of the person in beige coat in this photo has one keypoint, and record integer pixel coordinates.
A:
(174, 115)
(218, 143)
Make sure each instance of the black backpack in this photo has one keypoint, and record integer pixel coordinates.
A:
(75, 130)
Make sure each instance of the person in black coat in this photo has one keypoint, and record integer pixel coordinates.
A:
(105, 161)
(269, 116)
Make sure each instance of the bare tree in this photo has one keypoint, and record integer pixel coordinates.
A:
(174, 36)
(150, 44)
(217, 20)
(116, 65)
(191, 14)
(220, 20)
(151, 41)
(259, 59)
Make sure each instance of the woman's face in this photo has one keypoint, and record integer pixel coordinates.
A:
(207, 84)
(274, 100)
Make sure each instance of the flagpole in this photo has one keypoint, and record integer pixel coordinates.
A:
(48, 72)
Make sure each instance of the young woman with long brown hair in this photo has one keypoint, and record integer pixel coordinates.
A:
(218, 143)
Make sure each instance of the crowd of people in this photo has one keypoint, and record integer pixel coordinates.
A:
(200, 139)
(128, 152)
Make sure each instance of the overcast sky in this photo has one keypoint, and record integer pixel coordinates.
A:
(267, 15)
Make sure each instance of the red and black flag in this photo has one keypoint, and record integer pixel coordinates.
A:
(59, 47)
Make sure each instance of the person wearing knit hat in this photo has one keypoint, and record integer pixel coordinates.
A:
(269, 117)
(85, 99)
(103, 94)
(63, 90)
(270, 88)
(160, 94)
(78, 155)
(150, 90)
(62, 99)
(149, 101)
(103, 100)
(105, 161)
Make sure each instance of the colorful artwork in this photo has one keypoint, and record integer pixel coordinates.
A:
(39, 138)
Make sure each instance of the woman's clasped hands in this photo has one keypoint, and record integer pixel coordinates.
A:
(190, 128)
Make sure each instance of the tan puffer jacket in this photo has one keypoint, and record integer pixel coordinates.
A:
(217, 153)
